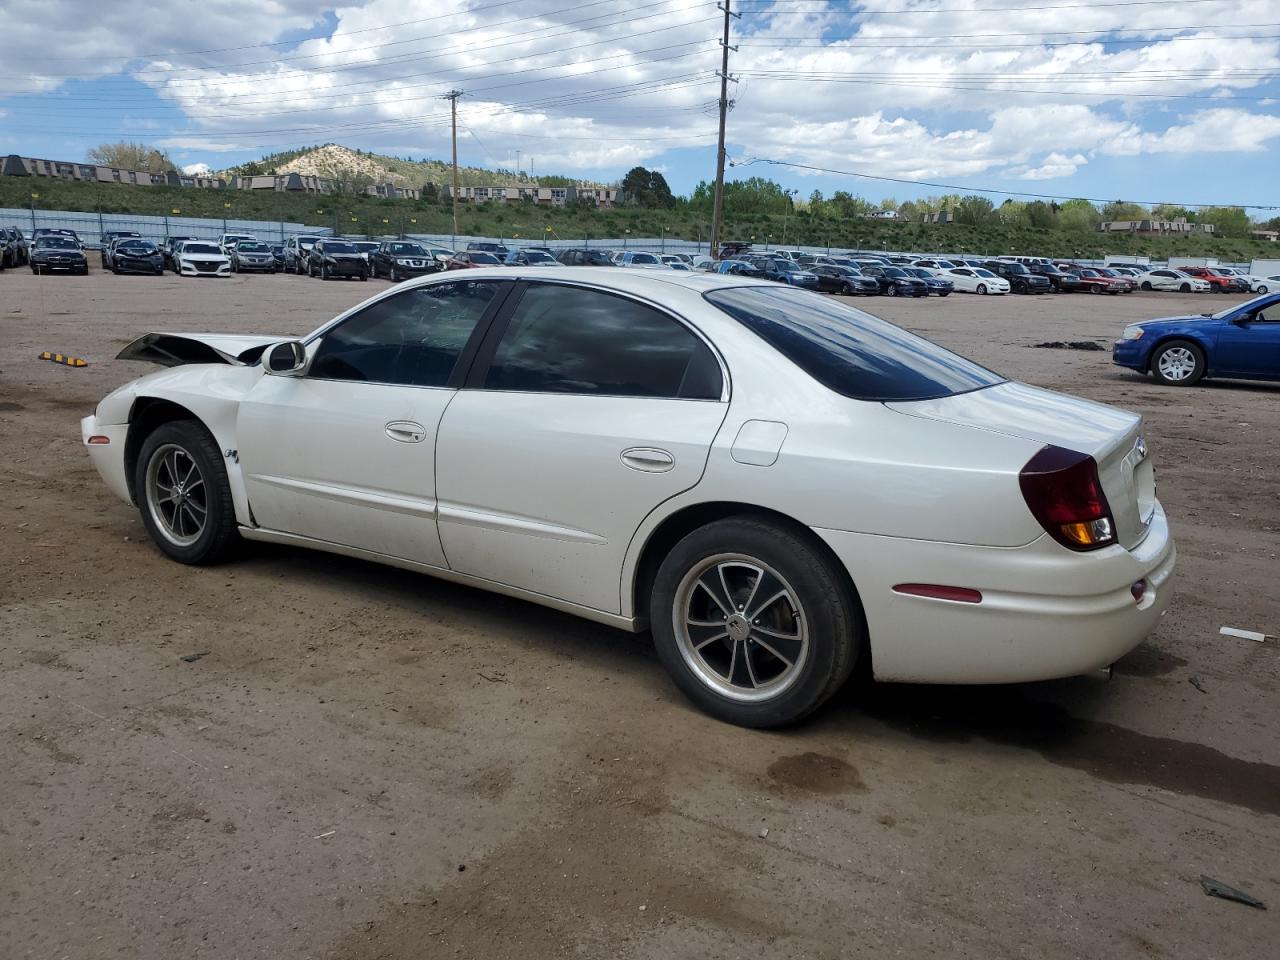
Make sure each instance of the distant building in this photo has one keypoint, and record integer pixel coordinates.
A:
(942, 216)
(885, 215)
(535, 193)
(16, 166)
(1177, 226)
(1271, 236)
(307, 183)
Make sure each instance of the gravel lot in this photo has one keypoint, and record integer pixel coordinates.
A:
(372, 764)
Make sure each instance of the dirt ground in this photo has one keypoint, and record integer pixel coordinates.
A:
(366, 763)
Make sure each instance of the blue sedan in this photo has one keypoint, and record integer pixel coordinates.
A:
(1242, 342)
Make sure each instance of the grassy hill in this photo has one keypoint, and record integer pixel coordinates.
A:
(326, 159)
(369, 215)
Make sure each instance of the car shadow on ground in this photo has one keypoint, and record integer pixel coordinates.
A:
(1054, 719)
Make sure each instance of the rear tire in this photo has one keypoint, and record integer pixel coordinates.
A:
(753, 661)
(1178, 363)
(180, 483)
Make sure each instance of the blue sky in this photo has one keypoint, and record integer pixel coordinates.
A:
(1099, 98)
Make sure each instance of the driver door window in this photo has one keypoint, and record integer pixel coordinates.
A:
(413, 338)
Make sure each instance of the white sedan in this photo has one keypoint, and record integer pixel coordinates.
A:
(1256, 284)
(197, 259)
(975, 280)
(1171, 280)
(775, 483)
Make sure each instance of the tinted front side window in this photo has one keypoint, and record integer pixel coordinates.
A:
(569, 340)
(411, 338)
(851, 352)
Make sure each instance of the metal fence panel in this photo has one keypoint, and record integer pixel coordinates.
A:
(90, 226)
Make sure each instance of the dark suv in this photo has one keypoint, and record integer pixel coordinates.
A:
(336, 258)
(584, 258)
(1021, 280)
(398, 259)
(1061, 281)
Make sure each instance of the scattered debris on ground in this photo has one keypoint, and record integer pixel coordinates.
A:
(1243, 634)
(1069, 345)
(1216, 888)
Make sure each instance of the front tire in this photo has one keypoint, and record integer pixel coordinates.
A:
(892, 291)
(982, 290)
(1178, 363)
(1146, 285)
(753, 622)
(180, 483)
(1184, 288)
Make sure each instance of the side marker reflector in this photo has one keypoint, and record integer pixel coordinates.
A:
(98, 438)
(935, 591)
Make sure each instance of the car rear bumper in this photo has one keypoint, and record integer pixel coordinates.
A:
(1045, 612)
(107, 458)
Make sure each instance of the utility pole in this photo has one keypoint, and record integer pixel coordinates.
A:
(718, 204)
(452, 96)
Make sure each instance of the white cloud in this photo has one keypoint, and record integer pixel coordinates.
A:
(948, 93)
(1052, 167)
(196, 169)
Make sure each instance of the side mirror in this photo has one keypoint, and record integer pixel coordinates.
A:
(285, 359)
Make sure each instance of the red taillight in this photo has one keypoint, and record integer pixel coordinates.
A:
(1062, 490)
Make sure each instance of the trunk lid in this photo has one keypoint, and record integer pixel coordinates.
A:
(1113, 437)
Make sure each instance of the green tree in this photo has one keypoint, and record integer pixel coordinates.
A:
(131, 156)
(1041, 215)
(647, 188)
(1227, 221)
(1079, 216)
(976, 211)
(1168, 211)
(1124, 210)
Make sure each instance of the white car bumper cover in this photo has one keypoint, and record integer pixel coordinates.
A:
(1045, 613)
(108, 458)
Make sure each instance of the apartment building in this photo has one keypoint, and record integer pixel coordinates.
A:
(535, 193)
(1177, 226)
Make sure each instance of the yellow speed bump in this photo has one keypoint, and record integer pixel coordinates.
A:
(64, 359)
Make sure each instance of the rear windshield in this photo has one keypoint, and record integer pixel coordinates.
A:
(851, 352)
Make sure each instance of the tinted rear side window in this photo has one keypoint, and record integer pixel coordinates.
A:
(564, 339)
(851, 352)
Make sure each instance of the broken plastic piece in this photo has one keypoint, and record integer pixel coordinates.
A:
(1242, 634)
(1216, 888)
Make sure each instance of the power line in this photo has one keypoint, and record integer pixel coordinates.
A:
(1056, 91)
(433, 53)
(1004, 193)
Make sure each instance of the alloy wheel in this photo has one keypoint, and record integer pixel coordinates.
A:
(1176, 364)
(740, 627)
(176, 495)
